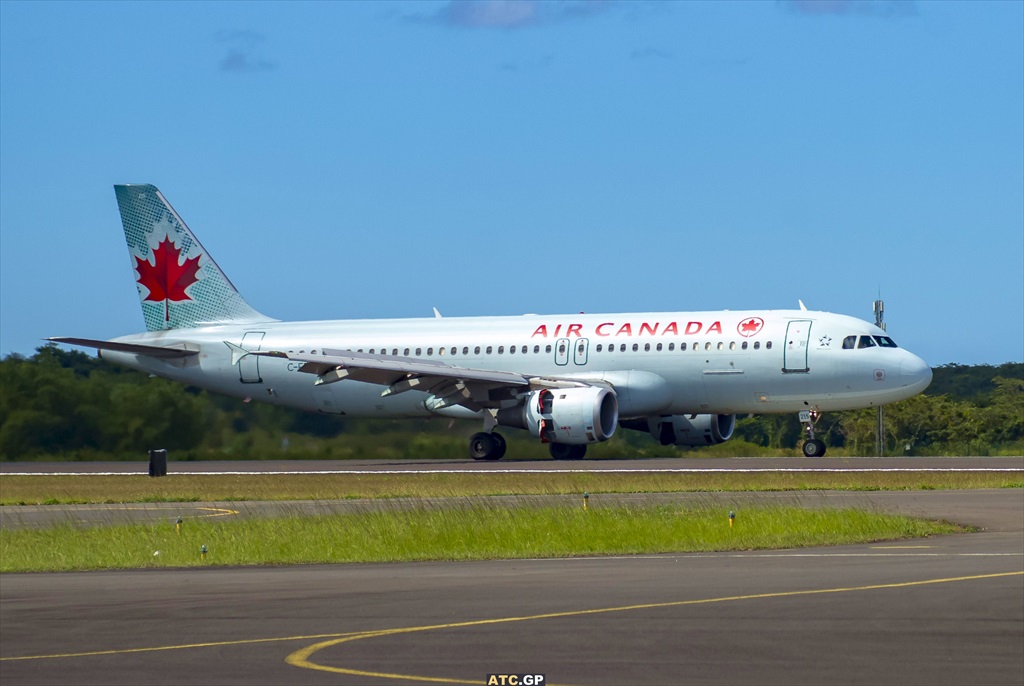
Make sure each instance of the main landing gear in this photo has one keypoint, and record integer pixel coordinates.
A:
(563, 451)
(487, 446)
(491, 446)
(813, 447)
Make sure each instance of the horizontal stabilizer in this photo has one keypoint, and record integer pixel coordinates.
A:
(158, 351)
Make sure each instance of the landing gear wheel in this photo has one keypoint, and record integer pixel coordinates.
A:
(563, 451)
(487, 446)
(814, 448)
(500, 446)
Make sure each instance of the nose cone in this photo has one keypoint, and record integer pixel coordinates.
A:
(915, 373)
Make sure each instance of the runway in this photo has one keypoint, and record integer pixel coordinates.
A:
(947, 610)
(660, 464)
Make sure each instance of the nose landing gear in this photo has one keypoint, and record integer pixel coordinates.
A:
(813, 447)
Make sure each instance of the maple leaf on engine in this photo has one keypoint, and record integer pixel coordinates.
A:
(165, 278)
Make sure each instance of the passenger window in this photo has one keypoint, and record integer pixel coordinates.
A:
(406, 352)
(757, 345)
(561, 348)
(682, 346)
(865, 342)
(849, 343)
(419, 351)
(599, 348)
(720, 345)
(371, 351)
(659, 347)
(744, 345)
(732, 345)
(647, 347)
(622, 348)
(636, 346)
(672, 346)
(489, 350)
(707, 346)
(547, 348)
(512, 350)
(430, 351)
(501, 349)
(536, 349)
(440, 351)
(476, 350)
(454, 351)
(465, 350)
(768, 345)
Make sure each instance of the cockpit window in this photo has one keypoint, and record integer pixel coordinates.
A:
(885, 342)
(849, 343)
(865, 342)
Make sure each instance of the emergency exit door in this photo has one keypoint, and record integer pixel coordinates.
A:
(577, 350)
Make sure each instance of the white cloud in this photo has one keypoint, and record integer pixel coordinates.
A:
(512, 14)
(242, 54)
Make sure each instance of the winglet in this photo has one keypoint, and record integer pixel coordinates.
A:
(803, 308)
(437, 315)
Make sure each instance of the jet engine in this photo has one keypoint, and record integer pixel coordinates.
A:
(692, 429)
(573, 416)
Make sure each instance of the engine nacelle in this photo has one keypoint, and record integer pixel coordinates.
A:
(693, 429)
(573, 416)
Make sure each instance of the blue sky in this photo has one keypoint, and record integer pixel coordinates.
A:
(363, 160)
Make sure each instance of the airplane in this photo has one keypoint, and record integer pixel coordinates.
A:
(569, 380)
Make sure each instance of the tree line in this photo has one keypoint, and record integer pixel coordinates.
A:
(68, 405)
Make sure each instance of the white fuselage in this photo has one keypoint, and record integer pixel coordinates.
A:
(726, 362)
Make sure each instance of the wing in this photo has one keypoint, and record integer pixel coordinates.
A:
(475, 389)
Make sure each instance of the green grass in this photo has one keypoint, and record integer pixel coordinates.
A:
(55, 490)
(472, 532)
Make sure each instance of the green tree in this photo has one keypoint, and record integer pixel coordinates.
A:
(1002, 420)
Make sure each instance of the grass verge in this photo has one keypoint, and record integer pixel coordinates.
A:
(466, 533)
(58, 489)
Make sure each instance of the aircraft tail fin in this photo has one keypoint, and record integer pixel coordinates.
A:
(180, 286)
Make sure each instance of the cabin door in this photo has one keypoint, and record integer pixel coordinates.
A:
(798, 336)
(249, 366)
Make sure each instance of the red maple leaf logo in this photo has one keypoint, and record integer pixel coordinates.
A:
(166, 279)
(750, 327)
